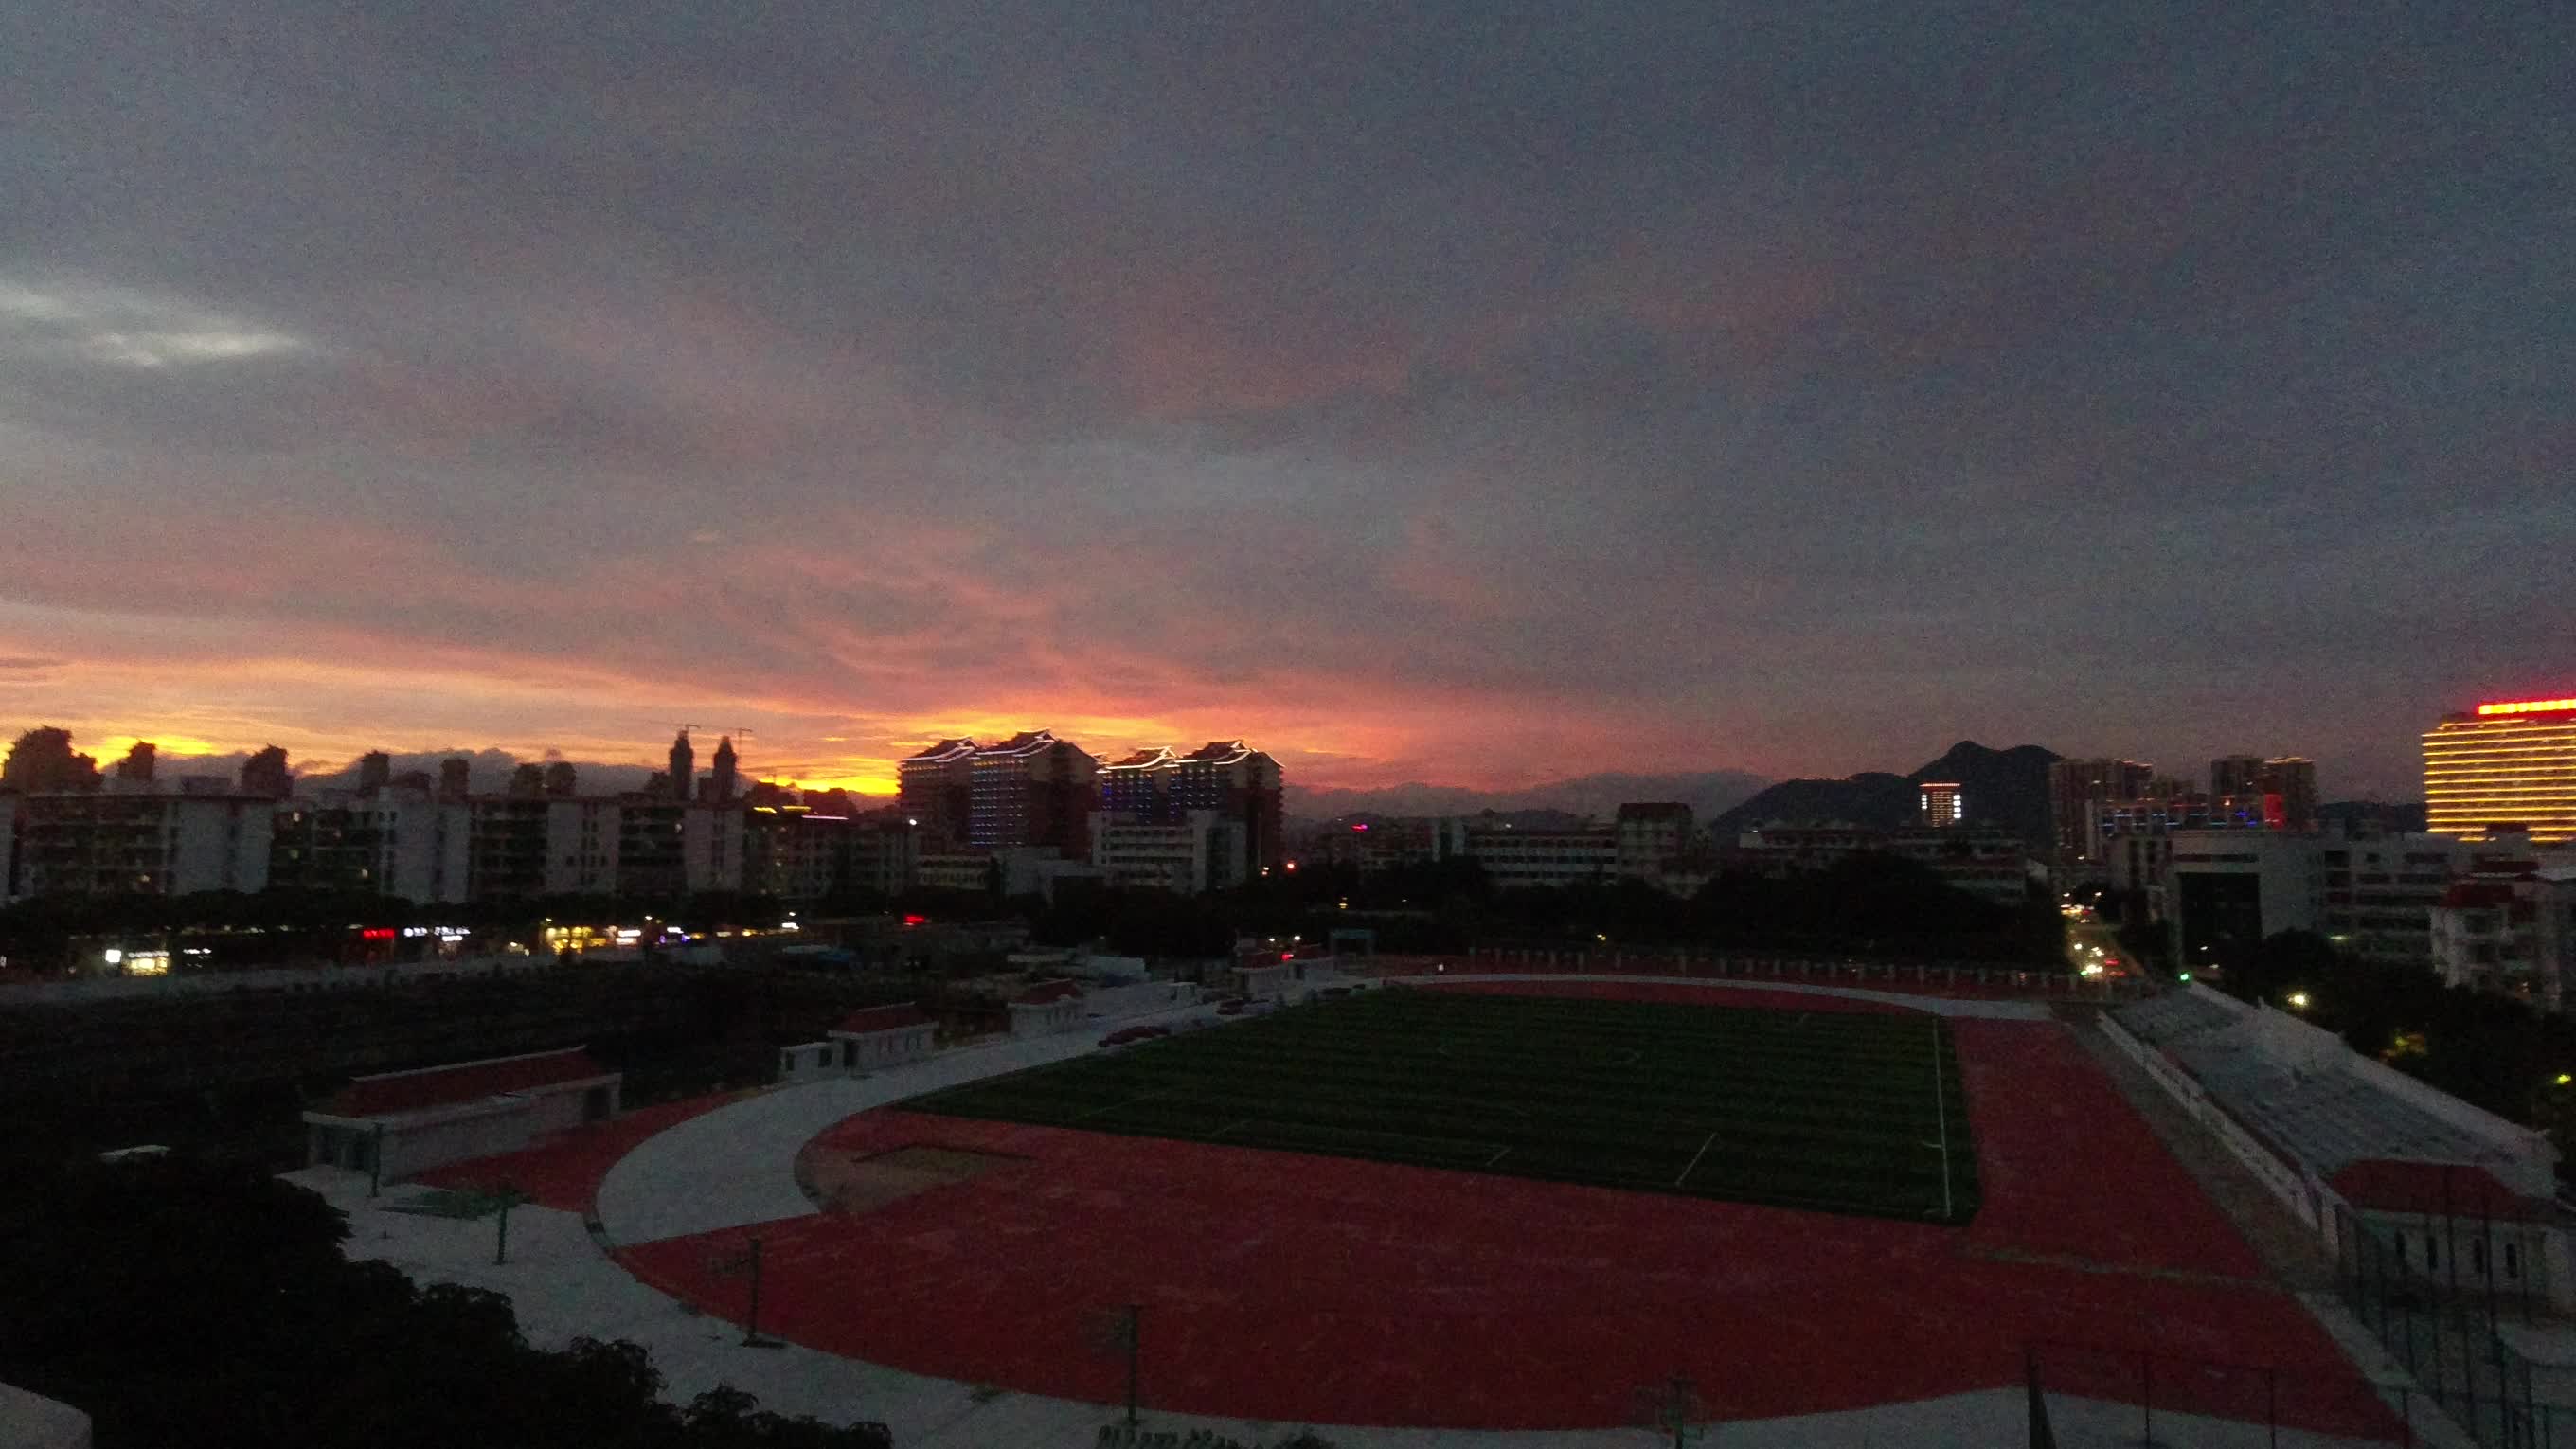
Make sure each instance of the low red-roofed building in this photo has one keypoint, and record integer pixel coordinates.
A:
(884, 1036)
(1046, 1007)
(2508, 934)
(2456, 1222)
(396, 1124)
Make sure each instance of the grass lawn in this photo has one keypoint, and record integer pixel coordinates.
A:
(1828, 1110)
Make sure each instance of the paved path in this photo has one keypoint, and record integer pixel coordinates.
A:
(737, 1165)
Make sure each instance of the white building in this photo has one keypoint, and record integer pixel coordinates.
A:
(1198, 853)
(1046, 1008)
(1656, 841)
(156, 845)
(884, 1036)
(1512, 857)
(395, 1124)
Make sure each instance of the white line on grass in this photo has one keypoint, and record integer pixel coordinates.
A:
(1695, 1157)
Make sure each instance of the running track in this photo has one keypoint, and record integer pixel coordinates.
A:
(1308, 1289)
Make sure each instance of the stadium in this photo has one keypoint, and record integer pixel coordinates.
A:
(1510, 1209)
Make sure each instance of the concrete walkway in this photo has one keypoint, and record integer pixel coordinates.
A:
(737, 1165)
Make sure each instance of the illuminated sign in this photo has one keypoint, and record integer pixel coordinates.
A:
(2528, 706)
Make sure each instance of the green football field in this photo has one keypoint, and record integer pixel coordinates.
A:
(1830, 1110)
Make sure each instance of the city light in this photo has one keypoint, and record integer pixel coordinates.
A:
(2564, 1079)
(2528, 706)
(2298, 1001)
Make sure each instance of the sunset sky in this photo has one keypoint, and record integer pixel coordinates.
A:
(1475, 393)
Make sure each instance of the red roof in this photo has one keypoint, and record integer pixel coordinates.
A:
(2393, 1185)
(1046, 991)
(388, 1093)
(882, 1018)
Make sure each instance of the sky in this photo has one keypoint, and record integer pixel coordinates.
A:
(1475, 393)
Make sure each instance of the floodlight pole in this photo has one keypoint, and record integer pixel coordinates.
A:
(501, 1240)
(1135, 1346)
(751, 1328)
(376, 1161)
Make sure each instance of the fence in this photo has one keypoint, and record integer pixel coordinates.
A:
(2446, 1328)
(1825, 970)
(2097, 1395)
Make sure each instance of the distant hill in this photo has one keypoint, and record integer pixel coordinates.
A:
(1707, 792)
(2398, 817)
(2008, 788)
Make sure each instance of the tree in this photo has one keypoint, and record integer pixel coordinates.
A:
(42, 761)
(185, 1303)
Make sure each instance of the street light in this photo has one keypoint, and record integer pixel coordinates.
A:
(2298, 1001)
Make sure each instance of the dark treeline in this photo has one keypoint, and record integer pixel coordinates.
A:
(290, 927)
(184, 1303)
(1867, 904)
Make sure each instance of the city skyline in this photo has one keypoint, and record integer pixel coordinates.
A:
(1455, 395)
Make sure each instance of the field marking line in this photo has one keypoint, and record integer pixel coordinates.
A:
(1230, 1126)
(1114, 1106)
(1497, 1157)
(1695, 1157)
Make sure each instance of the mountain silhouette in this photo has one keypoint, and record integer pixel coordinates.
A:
(2003, 788)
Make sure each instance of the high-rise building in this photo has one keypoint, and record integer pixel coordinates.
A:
(2272, 794)
(2509, 768)
(721, 780)
(684, 767)
(153, 845)
(936, 789)
(455, 778)
(375, 770)
(1227, 780)
(561, 778)
(1941, 802)
(2078, 793)
(1033, 789)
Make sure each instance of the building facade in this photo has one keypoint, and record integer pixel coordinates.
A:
(1032, 790)
(155, 845)
(2506, 768)
(936, 789)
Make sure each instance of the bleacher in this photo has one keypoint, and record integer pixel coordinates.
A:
(2327, 1118)
(2176, 1017)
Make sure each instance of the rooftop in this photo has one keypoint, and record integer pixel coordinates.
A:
(387, 1094)
(2395, 1185)
(882, 1018)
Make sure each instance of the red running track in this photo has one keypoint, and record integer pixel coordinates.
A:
(1293, 1288)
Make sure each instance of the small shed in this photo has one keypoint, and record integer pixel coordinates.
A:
(1264, 980)
(884, 1036)
(809, 1061)
(1046, 1008)
(396, 1124)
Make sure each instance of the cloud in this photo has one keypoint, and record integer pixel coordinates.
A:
(1452, 394)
